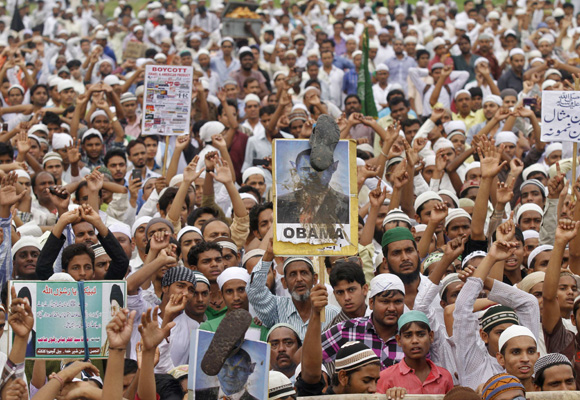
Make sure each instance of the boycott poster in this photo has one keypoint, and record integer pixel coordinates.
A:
(560, 116)
(244, 375)
(315, 213)
(58, 326)
(167, 100)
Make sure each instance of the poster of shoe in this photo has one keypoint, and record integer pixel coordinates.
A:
(315, 212)
(244, 375)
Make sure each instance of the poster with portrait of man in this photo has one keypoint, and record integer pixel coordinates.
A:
(244, 375)
(315, 213)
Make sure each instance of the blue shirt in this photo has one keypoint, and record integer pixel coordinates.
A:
(219, 66)
(399, 69)
(350, 82)
(342, 63)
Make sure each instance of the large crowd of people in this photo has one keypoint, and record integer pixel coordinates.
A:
(466, 279)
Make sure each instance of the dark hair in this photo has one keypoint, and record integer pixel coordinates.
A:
(74, 64)
(420, 324)
(267, 110)
(311, 82)
(475, 91)
(153, 137)
(395, 93)
(114, 153)
(168, 197)
(409, 122)
(251, 190)
(117, 294)
(150, 53)
(201, 247)
(6, 149)
(51, 118)
(197, 213)
(398, 100)
(249, 80)
(312, 64)
(34, 88)
(231, 102)
(347, 271)
(420, 53)
(328, 41)
(130, 367)
(255, 214)
(132, 144)
(464, 36)
(24, 293)
(168, 388)
(351, 96)
(74, 250)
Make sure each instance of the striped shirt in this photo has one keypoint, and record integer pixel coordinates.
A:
(5, 250)
(272, 309)
(360, 330)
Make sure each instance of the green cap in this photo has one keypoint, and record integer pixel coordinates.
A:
(412, 316)
(396, 234)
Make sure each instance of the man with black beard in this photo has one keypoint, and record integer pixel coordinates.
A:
(246, 71)
(402, 259)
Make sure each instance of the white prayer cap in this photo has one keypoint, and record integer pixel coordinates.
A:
(546, 38)
(384, 282)
(138, 28)
(493, 15)
(425, 197)
(245, 50)
(16, 86)
(209, 129)
(534, 168)
(462, 91)
(455, 213)
(373, 44)
(382, 67)
(429, 160)
(251, 254)
(399, 11)
(252, 171)
(91, 132)
(454, 126)
(120, 227)
(552, 71)
(142, 14)
(187, 229)
(449, 194)
(531, 280)
(312, 52)
(531, 234)
(98, 113)
(475, 164)
(516, 51)
(442, 143)
(471, 256)
(420, 228)
(505, 137)
(528, 207)
(410, 39)
(480, 60)
(20, 173)
(226, 244)
(64, 85)
(226, 39)
(493, 98)
(25, 241)
(291, 52)
(535, 58)
(138, 222)
(396, 215)
(290, 260)
(248, 196)
(558, 12)
(512, 332)
(349, 24)
(356, 53)
(461, 25)
(448, 280)
(51, 155)
(231, 274)
(112, 80)
(251, 97)
(61, 277)
(101, 35)
(520, 11)
(548, 83)
(61, 140)
(438, 42)
(552, 147)
(538, 250)
(455, 133)
(268, 48)
(38, 127)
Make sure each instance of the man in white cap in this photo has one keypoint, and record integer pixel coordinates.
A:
(464, 112)
(490, 104)
(252, 112)
(518, 353)
(92, 146)
(246, 71)
(25, 253)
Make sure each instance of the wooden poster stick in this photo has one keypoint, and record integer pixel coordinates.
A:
(165, 155)
(322, 280)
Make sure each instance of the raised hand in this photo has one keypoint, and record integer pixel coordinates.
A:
(400, 176)
(556, 184)
(210, 160)
(95, 180)
(119, 329)
(454, 248)
(506, 232)
(505, 192)
(61, 200)
(566, 231)
(23, 143)
(176, 304)
(318, 298)
(437, 114)
(160, 184)
(90, 215)
(396, 393)
(70, 372)
(190, 172)
(181, 143)
(490, 157)
(70, 217)
(438, 214)
(502, 250)
(441, 160)
(15, 390)
(134, 187)
(151, 334)
(516, 167)
(419, 144)
(222, 174)
(219, 142)
(159, 240)
(377, 196)
(20, 317)
(221, 95)
(367, 171)
(8, 194)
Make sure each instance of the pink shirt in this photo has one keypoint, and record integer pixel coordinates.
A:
(439, 380)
